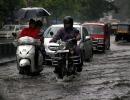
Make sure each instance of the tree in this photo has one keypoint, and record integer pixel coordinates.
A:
(79, 9)
(8, 7)
(94, 9)
(123, 9)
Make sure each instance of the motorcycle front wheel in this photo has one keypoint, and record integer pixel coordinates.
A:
(24, 70)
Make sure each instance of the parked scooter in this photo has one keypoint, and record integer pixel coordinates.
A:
(29, 57)
(65, 60)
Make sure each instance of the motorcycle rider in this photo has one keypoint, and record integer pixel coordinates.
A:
(69, 32)
(39, 31)
(34, 30)
(28, 31)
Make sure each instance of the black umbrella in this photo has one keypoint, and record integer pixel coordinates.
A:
(31, 12)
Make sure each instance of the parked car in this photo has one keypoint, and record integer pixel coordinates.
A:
(122, 32)
(7, 30)
(100, 35)
(85, 43)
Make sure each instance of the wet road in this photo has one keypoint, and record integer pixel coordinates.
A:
(107, 77)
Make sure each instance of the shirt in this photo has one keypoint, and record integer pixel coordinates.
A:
(64, 34)
(32, 32)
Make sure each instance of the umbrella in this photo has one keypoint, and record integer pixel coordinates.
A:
(31, 12)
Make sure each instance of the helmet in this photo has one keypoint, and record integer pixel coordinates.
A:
(31, 23)
(68, 20)
(39, 23)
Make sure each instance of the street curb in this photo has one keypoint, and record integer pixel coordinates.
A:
(7, 60)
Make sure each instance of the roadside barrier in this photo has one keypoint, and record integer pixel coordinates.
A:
(7, 50)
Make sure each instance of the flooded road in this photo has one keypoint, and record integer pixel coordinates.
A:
(107, 77)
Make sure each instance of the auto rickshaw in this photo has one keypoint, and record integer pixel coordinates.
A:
(100, 35)
(123, 32)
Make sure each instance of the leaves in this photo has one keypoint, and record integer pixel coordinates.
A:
(79, 9)
(7, 8)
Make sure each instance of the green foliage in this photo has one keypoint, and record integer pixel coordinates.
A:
(94, 9)
(7, 8)
(123, 9)
(79, 9)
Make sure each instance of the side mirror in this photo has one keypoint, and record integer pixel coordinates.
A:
(87, 38)
(14, 35)
(51, 33)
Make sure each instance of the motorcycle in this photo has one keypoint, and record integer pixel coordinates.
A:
(29, 57)
(65, 60)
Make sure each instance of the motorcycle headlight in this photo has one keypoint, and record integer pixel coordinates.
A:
(53, 48)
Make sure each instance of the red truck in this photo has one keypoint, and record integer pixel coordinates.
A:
(100, 35)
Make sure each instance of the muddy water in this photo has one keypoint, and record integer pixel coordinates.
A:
(107, 77)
